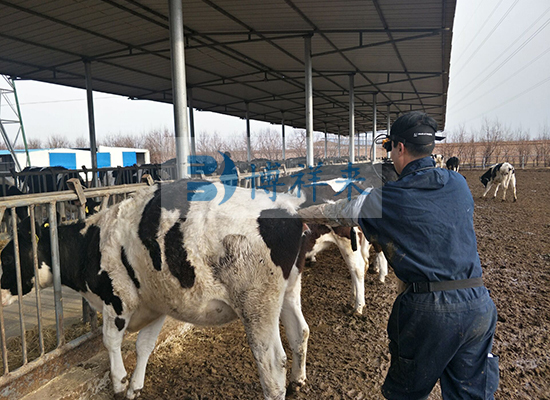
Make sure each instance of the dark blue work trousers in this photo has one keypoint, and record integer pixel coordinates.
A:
(431, 340)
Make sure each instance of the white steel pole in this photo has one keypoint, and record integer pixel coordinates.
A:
(351, 120)
(309, 102)
(179, 86)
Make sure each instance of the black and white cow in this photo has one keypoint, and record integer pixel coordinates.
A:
(7, 190)
(502, 173)
(353, 246)
(52, 179)
(162, 253)
(453, 164)
(439, 160)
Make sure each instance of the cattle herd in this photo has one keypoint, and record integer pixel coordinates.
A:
(185, 250)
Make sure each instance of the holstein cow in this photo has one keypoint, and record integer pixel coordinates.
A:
(162, 253)
(52, 179)
(502, 173)
(439, 160)
(453, 164)
(326, 184)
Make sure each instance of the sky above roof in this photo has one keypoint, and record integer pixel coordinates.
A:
(499, 59)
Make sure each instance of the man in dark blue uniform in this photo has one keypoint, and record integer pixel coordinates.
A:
(442, 324)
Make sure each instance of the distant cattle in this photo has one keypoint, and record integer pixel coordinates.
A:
(162, 253)
(439, 160)
(498, 174)
(34, 180)
(453, 164)
(330, 183)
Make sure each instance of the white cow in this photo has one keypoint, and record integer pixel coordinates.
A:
(174, 250)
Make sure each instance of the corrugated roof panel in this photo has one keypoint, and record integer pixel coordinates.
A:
(329, 14)
(115, 35)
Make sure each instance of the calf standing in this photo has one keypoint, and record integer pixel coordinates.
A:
(502, 173)
(161, 253)
(439, 160)
(453, 164)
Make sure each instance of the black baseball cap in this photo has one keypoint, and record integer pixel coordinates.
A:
(418, 134)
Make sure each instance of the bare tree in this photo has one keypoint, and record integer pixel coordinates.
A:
(542, 148)
(161, 145)
(82, 142)
(490, 135)
(268, 144)
(210, 144)
(58, 142)
(470, 150)
(122, 140)
(297, 144)
(521, 141)
(34, 143)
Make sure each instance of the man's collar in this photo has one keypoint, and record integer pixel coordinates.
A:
(419, 163)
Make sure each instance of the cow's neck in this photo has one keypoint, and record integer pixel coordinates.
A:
(72, 250)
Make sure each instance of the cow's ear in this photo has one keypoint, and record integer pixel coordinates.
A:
(46, 224)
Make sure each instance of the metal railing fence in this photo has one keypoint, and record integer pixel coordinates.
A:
(108, 195)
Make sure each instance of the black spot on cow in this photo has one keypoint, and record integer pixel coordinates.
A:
(348, 233)
(80, 258)
(168, 197)
(282, 233)
(148, 228)
(99, 283)
(176, 257)
(119, 322)
(129, 268)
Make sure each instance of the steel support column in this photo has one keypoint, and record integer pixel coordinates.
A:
(351, 134)
(283, 134)
(339, 140)
(326, 142)
(374, 128)
(192, 121)
(179, 88)
(248, 147)
(389, 128)
(91, 118)
(309, 101)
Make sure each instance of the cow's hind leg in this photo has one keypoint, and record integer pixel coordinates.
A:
(297, 330)
(256, 287)
(513, 182)
(261, 323)
(382, 263)
(145, 344)
(114, 327)
(356, 265)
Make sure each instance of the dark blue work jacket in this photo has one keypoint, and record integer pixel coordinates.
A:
(424, 223)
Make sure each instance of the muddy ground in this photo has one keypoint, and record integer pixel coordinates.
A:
(348, 356)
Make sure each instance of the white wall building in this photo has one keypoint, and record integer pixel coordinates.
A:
(76, 158)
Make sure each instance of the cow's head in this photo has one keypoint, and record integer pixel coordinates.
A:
(8, 257)
(484, 180)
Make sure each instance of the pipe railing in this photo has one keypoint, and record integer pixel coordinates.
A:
(51, 200)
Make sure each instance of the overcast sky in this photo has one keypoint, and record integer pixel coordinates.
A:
(499, 71)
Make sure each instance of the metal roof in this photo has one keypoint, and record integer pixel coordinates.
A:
(243, 51)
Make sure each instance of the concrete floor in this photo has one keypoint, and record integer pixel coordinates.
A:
(72, 310)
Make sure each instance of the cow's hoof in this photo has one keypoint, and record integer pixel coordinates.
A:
(133, 394)
(120, 396)
(373, 270)
(294, 387)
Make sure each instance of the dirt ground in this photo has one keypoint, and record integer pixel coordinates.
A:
(348, 356)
